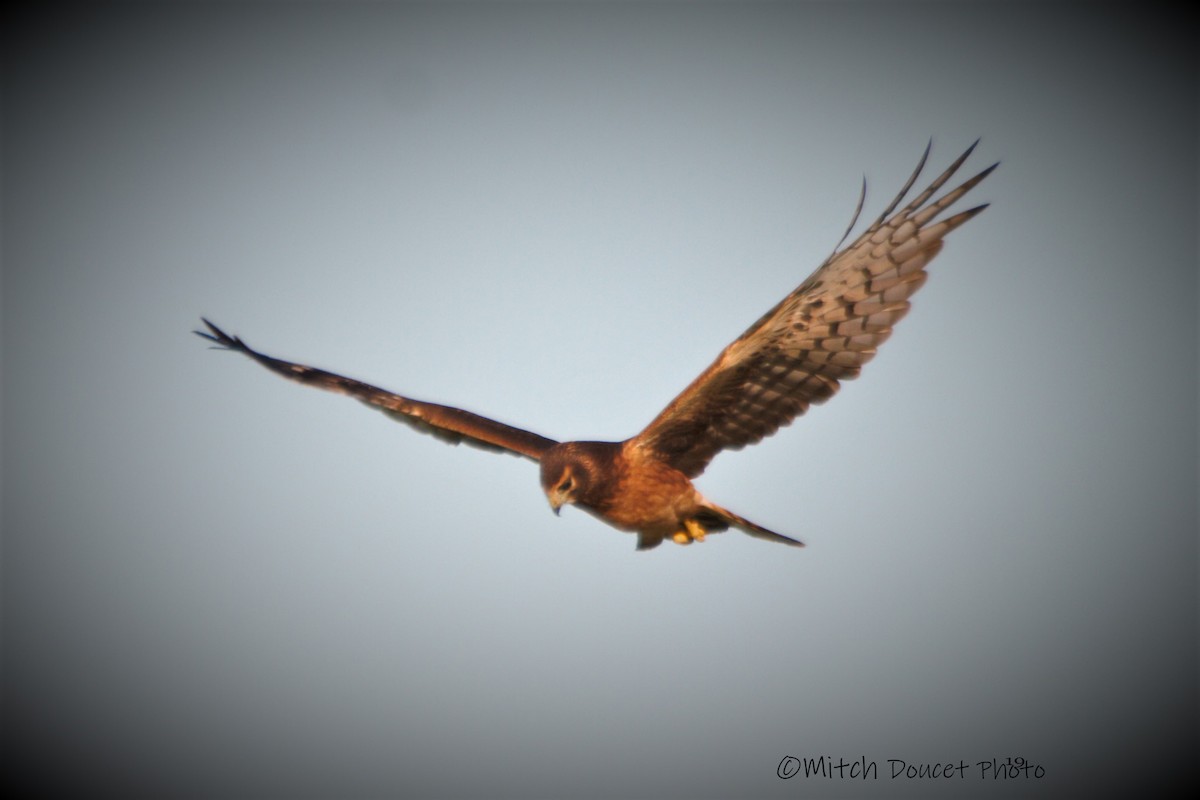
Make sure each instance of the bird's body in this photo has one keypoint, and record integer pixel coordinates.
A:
(656, 500)
(635, 492)
(793, 356)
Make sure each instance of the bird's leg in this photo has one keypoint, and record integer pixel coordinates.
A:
(694, 532)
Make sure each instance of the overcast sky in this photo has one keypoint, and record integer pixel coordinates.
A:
(219, 583)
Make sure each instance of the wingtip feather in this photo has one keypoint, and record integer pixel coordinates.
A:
(215, 334)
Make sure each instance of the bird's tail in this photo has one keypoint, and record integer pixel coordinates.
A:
(725, 518)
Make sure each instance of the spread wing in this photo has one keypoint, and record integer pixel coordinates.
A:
(819, 335)
(451, 425)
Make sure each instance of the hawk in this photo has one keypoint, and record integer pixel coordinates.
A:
(793, 356)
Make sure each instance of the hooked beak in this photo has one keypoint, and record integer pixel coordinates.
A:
(556, 503)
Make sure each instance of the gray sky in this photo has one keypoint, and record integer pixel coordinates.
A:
(218, 583)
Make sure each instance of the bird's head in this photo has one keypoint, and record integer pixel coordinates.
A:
(562, 485)
(565, 476)
(561, 491)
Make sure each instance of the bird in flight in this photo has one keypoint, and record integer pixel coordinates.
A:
(794, 355)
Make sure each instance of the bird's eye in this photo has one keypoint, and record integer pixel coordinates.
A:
(566, 485)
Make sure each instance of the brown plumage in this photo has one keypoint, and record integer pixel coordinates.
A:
(793, 356)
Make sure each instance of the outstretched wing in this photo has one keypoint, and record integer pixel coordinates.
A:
(451, 425)
(818, 335)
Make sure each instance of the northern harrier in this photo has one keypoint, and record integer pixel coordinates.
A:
(795, 355)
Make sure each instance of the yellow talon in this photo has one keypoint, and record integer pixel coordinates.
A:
(693, 532)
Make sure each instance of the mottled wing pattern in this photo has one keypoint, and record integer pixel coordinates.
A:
(451, 425)
(819, 335)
